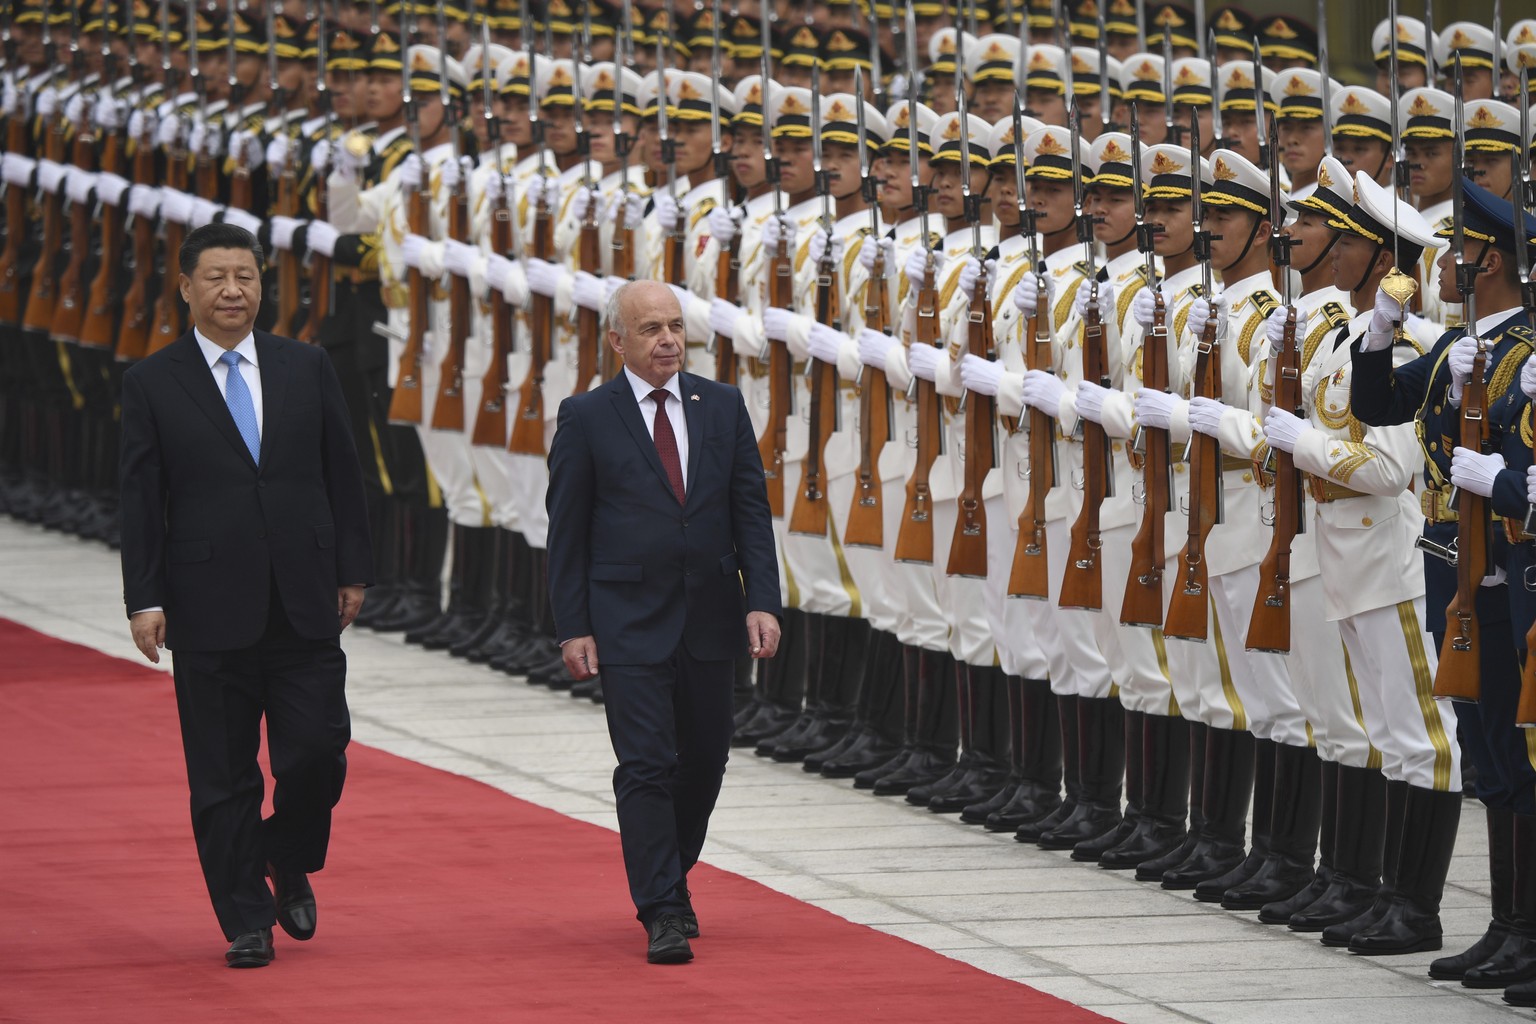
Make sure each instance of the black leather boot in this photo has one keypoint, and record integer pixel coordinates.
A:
(384, 523)
(1008, 733)
(1373, 904)
(844, 650)
(1501, 873)
(1152, 870)
(783, 685)
(1212, 889)
(1101, 756)
(515, 620)
(1229, 769)
(495, 582)
(814, 672)
(867, 778)
(937, 727)
(1165, 795)
(876, 735)
(1358, 849)
(984, 748)
(1411, 923)
(1515, 960)
(469, 591)
(426, 547)
(1071, 772)
(1092, 851)
(1294, 821)
(1037, 741)
(1280, 911)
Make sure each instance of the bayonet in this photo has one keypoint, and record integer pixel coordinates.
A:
(1326, 85)
(1394, 91)
(1174, 130)
(1204, 52)
(770, 162)
(1217, 138)
(1064, 39)
(1498, 56)
(1103, 49)
(233, 80)
(720, 157)
(1259, 127)
(444, 90)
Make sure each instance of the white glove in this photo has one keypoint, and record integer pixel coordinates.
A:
(818, 248)
(868, 251)
(873, 346)
(450, 174)
(140, 124)
(683, 296)
(923, 361)
(1027, 294)
(1106, 299)
(245, 145)
(168, 132)
(283, 229)
(213, 143)
(203, 212)
(722, 317)
(17, 169)
(459, 257)
(776, 323)
(1155, 408)
(1475, 472)
(1283, 429)
(1144, 307)
(410, 250)
(175, 205)
(10, 99)
(1205, 415)
(197, 137)
(1274, 327)
(588, 291)
(50, 175)
(543, 277)
(778, 228)
(144, 201)
(47, 101)
(826, 343)
(628, 200)
(611, 284)
(1384, 313)
(1043, 390)
(1203, 310)
(1459, 359)
(320, 155)
(412, 172)
(74, 110)
(723, 223)
(242, 219)
(1530, 485)
(666, 211)
(1528, 377)
(108, 113)
(980, 375)
(580, 202)
(78, 185)
(1090, 400)
(917, 264)
(970, 272)
(497, 268)
(321, 237)
(277, 153)
(110, 188)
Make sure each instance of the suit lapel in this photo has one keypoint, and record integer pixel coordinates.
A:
(274, 389)
(693, 416)
(193, 374)
(628, 410)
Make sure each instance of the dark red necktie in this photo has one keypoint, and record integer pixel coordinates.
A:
(666, 442)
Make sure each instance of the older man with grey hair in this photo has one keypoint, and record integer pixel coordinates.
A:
(662, 559)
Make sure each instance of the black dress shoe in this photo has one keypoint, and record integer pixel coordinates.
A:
(253, 949)
(689, 918)
(668, 942)
(295, 902)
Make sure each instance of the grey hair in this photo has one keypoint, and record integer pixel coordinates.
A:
(611, 316)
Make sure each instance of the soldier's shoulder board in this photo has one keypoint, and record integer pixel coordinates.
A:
(1335, 314)
(1265, 302)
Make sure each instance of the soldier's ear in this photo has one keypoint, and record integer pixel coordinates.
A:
(184, 283)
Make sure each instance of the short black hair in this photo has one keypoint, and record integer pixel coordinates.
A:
(216, 236)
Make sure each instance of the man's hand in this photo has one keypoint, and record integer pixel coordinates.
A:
(148, 634)
(349, 601)
(580, 657)
(762, 634)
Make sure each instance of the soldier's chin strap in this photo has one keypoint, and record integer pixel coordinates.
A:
(1370, 265)
(1304, 271)
(1253, 233)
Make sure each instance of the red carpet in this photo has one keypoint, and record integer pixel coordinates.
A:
(444, 900)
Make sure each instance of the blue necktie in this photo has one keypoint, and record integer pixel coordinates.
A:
(238, 397)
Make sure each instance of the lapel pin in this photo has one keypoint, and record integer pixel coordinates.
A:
(693, 398)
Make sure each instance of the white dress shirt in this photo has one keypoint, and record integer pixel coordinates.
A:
(250, 370)
(674, 413)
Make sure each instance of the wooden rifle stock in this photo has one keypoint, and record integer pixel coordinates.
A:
(288, 286)
(167, 324)
(727, 284)
(528, 427)
(622, 253)
(1459, 674)
(44, 293)
(491, 421)
(97, 326)
(1525, 710)
(1030, 575)
(448, 410)
(809, 515)
(138, 309)
(1082, 581)
(781, 386)
(69, 307)
(866, 517)
(590, 340)
(405, 404)
(320, 267)
(15, 226)
(968, 545)
(1269, 626)
(1189, 612)
(1143, 604)
(914, 540)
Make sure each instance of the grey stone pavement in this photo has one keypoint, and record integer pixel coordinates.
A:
(1125, 949)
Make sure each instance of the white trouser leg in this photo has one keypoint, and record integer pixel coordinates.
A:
(1090, 671)
(1319, 681)
(1261, 680)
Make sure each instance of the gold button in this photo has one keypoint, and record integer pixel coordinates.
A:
(1437, 408)
(1366, 521)
(1434, 446)
(1247, 478)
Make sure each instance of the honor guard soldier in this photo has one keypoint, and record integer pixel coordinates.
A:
(1301, 123)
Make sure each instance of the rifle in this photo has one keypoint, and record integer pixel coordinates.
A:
(322, 282)
(1269, 625)
(1459, 674)
(490, 429)
(286, 202)
(622, 247)
(1322, 67)
(1189, 610)
(674, 246)
(810, 512)
(98, 325)
(866, 520)
(69, 309)
(728, 263)
(168, 321)
(914, 540)
(528, 426)
(139, 311)
(1082, 580)
(448, 409)
(16, 139)
(968, 544)
(589, 336)
(771, 446)
(405, 404)
(1525, 190)
(43, 295)
(1143, 603)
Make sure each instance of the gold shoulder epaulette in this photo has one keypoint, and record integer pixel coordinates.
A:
(1335, 313)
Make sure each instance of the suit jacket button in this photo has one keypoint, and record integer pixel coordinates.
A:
(683, 521)
(687, 572)
(260, 484)
(262, 535)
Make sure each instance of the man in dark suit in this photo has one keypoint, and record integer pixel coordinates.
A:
(662, 558)
(245, 551)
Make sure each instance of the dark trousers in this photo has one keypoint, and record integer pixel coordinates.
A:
(671, 730)
(221, 696)
(1486, 730)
